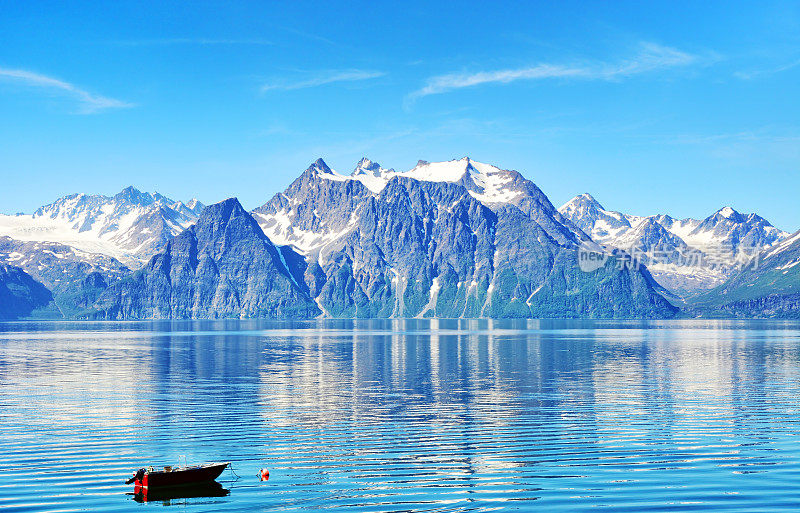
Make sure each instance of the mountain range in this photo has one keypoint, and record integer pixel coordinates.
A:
(130, 226)
(223, 266)
(686, 256)
(445, 239)
(769, 289)
(80, 244)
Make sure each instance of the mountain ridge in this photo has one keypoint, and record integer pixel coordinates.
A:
(447, 239)
(129, 226)
(769, 287)
(20, 294)
(341, 225)
(223, 266)
(687, 256)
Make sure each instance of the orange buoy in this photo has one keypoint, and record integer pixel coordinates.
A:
(264, 474)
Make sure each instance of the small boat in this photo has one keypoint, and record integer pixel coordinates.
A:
(176, 476)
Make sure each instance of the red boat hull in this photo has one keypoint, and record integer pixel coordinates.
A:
(181, 477)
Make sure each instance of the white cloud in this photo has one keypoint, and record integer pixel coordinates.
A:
(651, 57)
(89, 102)
(330, 77)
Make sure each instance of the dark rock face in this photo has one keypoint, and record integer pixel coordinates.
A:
(20, 294)
(222, 267)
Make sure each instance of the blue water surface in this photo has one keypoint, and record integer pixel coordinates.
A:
(405, 415)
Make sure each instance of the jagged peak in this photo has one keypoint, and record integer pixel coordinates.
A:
(131, 194)
(130, 190)
(366, 163)
(755, 218)
(488, 183)
(582, 200)
(226, 204)
(588, 198)
(366, 166)
(220, 213)
(736, 217)
(320, 166)
(728, 212)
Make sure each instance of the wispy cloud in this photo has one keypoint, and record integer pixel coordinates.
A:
(309, 35)
(748, 75)
(192, 41)
(89, 102)
(329, 77)
(651, 57)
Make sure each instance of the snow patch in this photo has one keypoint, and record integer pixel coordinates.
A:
(784, 245)
(493, 181)
(788, 266)
(280, 229)
(432, 298)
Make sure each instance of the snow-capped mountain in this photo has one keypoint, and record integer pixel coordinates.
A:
(457, 239)
(445, 239)
(130, 226)
(367, 167)
(684, 255)
(55, 264)
(74, 277)
(308, 220)
(769, 287)
(486, 183)
(440, 240)
(221, 267)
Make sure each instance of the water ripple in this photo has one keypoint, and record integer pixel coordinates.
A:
(406, 415)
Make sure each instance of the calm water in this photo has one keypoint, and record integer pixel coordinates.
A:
(405, 415)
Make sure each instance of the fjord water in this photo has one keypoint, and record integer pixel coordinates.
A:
(406, 415)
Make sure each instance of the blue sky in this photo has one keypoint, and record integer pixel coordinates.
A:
(652, 107)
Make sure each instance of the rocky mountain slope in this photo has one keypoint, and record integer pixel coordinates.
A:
(770, 287)
(448, 239)
(76, 245)
(444, 239)
(20, 294)
(686, 256)
(74, 277)
(221, 267)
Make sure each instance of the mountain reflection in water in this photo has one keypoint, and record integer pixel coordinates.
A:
(412, 415)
